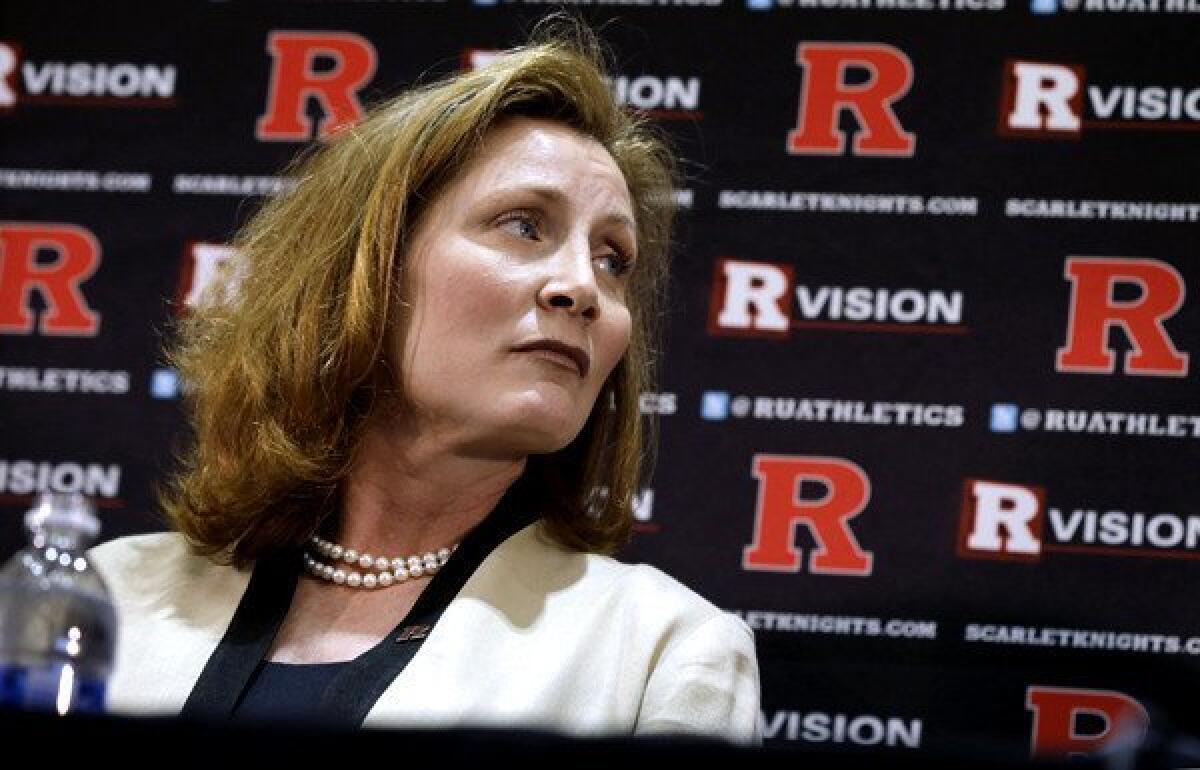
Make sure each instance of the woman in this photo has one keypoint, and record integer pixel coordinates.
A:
(416, 434)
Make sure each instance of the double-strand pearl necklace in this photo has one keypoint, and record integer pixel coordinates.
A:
(376, 572)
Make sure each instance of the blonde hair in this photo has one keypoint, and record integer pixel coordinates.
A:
(284, 377)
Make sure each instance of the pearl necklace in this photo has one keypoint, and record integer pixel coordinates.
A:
(377, 572)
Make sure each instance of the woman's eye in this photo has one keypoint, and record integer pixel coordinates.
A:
(617, 263)
(523, 224)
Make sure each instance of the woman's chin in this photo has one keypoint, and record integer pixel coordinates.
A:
(540, 424)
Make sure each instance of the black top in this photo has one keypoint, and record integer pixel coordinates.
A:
(288, 692)
(236, 682)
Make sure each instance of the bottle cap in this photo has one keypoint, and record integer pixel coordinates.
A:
(63, 510)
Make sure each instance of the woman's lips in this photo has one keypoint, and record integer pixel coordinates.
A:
(560, 352)
(553, 356)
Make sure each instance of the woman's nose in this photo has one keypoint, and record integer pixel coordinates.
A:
(571, 282)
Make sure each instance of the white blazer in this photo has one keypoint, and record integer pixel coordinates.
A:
(539, 637)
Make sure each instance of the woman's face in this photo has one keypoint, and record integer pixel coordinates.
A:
(518, 278)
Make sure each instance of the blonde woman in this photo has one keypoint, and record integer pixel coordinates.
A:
(416, 436)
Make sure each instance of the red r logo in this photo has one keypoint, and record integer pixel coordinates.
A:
(294, 79)
(780, 508)
(77, 256)
(1094, 310)
(825, 94)
(1056, 712)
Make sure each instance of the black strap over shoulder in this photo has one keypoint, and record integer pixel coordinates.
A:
(247, 640)
(354, 691)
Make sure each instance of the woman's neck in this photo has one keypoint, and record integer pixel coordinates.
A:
(414, 493)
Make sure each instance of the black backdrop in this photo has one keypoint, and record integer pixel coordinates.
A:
(862, 355)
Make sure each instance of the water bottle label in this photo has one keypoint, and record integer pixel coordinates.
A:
(56, 687)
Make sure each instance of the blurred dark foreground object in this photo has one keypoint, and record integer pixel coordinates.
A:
(183, 743)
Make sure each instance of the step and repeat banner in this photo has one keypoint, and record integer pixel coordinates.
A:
(930, 421)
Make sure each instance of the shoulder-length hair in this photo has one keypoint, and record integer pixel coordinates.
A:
(284, 374)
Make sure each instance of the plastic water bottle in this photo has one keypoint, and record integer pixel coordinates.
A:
(58, 629)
